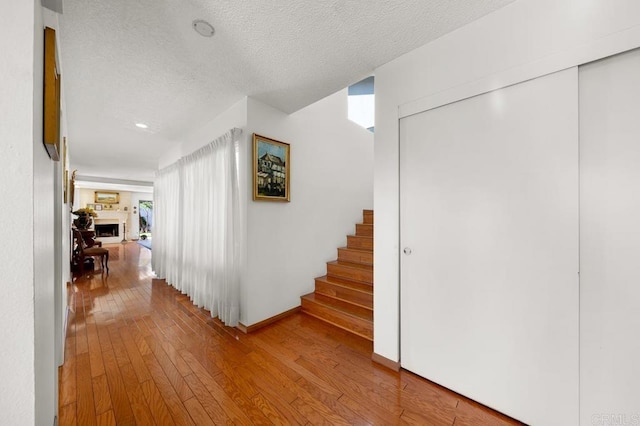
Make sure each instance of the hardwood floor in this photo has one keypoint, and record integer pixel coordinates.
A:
(138, 352)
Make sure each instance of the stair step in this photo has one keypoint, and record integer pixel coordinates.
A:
(364, 229)
(347, 291)
(358, 242)
(350, 271)
(358, 285)
(367, 215)
(344, 297)
(364, 257)
(336, 313)
(345, 307)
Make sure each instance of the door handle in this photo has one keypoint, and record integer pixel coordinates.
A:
(407, 251)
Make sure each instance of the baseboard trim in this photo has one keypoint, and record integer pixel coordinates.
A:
(251, 328)
(68, 294)
(65, 326)
(241, 327)
(385, 362)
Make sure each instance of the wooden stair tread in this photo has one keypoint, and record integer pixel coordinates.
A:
(356, 249)
(361, 272)
(354, 293)
(351, 265)
(360, 242)
(354, 255)
(353, 324)
(354, 285)
(364, 229)
(344, 296)
(367, 216)
(340, 306)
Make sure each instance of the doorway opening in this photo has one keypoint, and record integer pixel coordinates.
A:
(145, 208)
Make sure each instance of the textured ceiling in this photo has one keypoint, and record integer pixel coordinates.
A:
(130, 61)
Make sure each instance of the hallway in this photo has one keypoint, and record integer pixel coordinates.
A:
(138, 352)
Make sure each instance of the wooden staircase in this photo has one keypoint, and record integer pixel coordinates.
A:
(344, 297)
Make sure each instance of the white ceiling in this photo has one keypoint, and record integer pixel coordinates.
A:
(127, 61)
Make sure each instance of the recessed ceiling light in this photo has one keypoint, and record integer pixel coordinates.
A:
(141, 125)
(203, 28)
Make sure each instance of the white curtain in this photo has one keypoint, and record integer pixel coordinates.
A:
(167, 244)
(198, 227)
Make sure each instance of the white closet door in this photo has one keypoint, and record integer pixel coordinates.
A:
(610, 241)
(489, 211)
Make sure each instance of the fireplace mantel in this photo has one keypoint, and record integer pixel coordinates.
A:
(109, 217)
(106, 214)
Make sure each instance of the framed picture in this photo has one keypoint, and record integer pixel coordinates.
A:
(91, 206)
(107, 197)
(271, 176)
(72, 188)
(51, 98)
(98, 207)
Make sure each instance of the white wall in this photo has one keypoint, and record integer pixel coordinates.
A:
(331, 183)
(525, 36)
(235, 116)
(88, 196)
(28, 369)
(62, 215)
(17, 393)
(44, 247)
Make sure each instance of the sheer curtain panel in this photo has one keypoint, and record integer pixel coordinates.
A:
(198, 230)
(167, 243)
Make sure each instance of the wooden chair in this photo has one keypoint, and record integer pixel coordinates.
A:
(89, 237)
(84, 252)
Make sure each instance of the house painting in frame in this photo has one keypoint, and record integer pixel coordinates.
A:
(271, 177)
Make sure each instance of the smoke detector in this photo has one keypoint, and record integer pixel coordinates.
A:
(203, 28)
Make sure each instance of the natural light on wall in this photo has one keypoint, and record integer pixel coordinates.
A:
(362, 103)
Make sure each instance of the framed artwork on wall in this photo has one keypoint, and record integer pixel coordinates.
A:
(72, 188)
(271, 169)
(51, 97)
(107, 197)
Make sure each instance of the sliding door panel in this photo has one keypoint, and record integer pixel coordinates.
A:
(610, 240)
(489, 228)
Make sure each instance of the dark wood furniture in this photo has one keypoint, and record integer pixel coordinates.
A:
(89, 235)
(82, 251)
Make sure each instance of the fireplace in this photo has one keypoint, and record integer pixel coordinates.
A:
(106, 230)
(109, 226)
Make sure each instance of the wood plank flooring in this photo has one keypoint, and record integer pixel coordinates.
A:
(138, 352)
